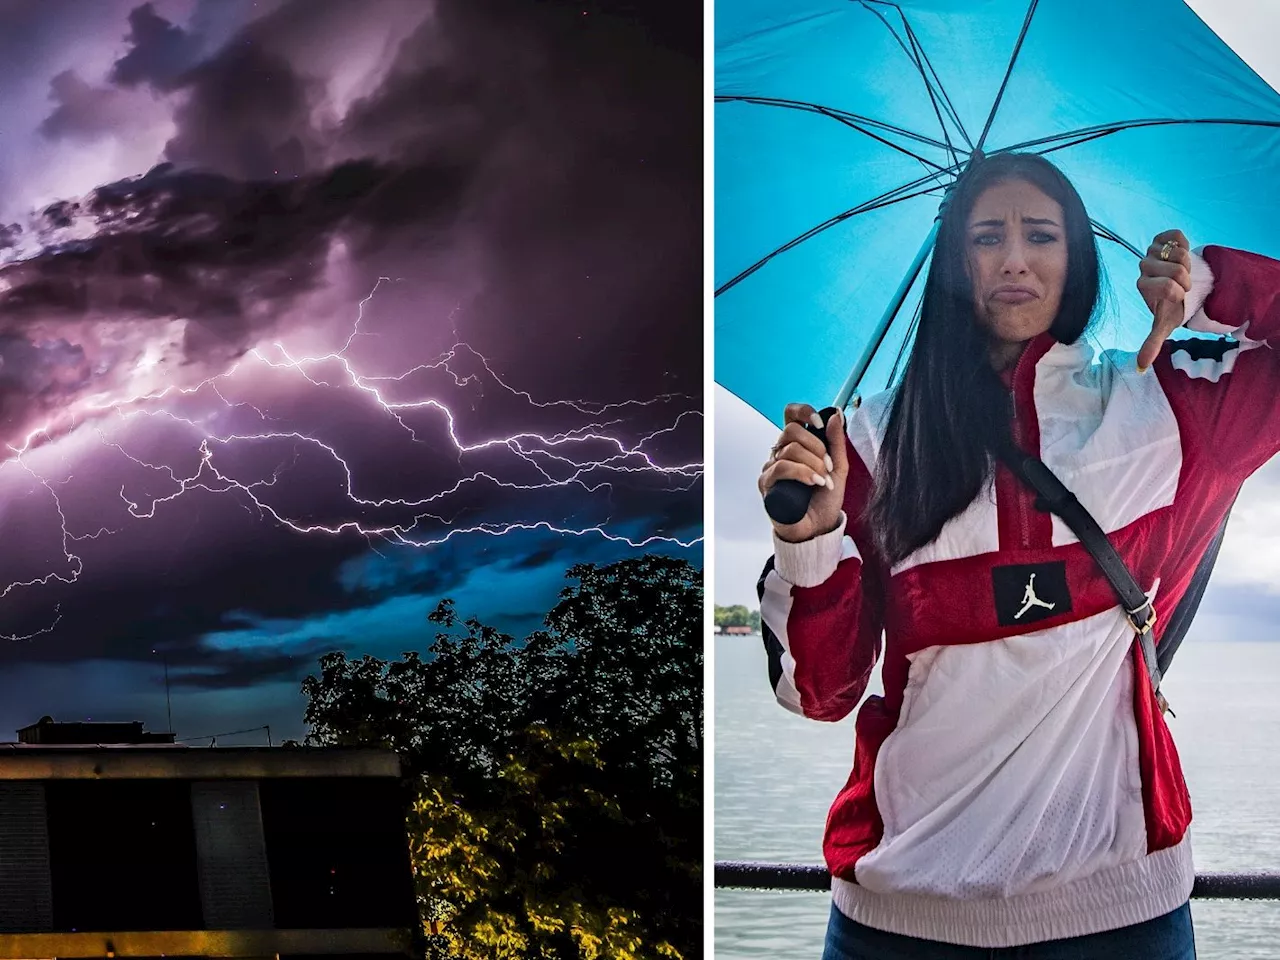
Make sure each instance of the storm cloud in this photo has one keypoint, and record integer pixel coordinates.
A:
(312, 313)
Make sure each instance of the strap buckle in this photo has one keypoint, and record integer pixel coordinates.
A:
(1142, 627)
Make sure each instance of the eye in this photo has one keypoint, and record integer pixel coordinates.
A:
(986, 240)
(1041, 237)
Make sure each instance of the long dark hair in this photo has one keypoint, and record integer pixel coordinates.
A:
(951, 411)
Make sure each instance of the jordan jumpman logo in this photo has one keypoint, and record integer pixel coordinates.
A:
(1029, 599)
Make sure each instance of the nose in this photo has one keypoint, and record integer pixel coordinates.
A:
(1015, 261)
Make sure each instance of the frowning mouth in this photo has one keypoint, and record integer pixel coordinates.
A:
(1013, 294)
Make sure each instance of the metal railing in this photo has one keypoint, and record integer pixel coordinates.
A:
(749, 875)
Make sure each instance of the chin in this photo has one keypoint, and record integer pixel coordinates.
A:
(1008, 328)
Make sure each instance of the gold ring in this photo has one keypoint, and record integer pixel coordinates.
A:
(1168, 245)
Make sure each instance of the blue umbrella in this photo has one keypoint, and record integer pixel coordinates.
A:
(839, 125)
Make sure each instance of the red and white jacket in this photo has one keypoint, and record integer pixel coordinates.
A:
(1017, 782)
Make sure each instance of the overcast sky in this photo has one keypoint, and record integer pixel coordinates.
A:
(1243, 600)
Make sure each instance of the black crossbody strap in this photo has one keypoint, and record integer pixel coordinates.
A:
(1054, 496)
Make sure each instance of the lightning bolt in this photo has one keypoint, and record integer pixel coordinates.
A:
(591, 456)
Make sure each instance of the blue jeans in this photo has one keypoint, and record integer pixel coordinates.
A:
(1165, 938)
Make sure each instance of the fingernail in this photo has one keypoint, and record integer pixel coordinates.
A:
(831, 484)
(827, 461)
(816, 420)
(1142, 369)
(819, 481)
(840, 413)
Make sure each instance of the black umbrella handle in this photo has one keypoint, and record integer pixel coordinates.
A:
(788, 500)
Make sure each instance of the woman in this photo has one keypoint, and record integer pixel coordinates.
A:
(1016, 784)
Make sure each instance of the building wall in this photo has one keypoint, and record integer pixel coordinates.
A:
(81, 855)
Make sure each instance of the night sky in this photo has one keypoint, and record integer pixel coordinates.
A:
(314, 312)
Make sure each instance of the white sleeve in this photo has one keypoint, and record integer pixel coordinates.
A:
(810, 563)
(1201, 287)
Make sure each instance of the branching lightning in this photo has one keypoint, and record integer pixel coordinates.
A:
(562, 459)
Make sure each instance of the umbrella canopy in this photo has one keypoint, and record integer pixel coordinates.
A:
(839, 123)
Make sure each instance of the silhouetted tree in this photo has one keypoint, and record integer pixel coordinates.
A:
(558, 811)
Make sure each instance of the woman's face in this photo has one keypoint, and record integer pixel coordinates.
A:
(1017, 262)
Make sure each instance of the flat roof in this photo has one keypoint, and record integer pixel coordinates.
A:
(168, 761)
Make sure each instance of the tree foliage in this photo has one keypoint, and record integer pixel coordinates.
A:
(558, 803)
(737, 616)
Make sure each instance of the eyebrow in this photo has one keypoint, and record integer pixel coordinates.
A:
(1032, 220)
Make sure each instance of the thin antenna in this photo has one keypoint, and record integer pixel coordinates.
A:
(168, 704)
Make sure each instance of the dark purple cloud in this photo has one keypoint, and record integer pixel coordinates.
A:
(159, 53)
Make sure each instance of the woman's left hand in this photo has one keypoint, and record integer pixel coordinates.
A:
(1164, 284)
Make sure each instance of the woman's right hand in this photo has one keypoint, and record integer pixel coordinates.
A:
(799, 455)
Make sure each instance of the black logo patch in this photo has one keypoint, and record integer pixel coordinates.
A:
(1203, 348)
(1029, 592)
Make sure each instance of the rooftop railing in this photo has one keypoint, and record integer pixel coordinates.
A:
(749, 875)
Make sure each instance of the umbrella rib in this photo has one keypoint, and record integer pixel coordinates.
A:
(951, 110)
(915, 60)
(842, 115)
(1076, 143)
(1008, 71)
(919, 55)
(924, 75)
(890, 143)
(1107, 233)
(876, 203)
(1108, 128)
